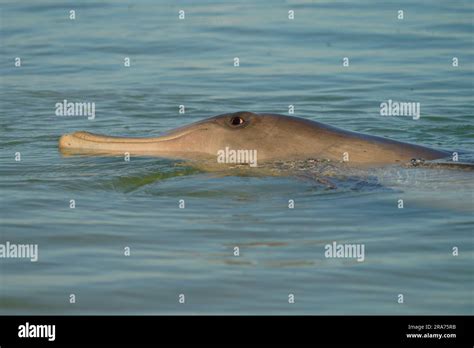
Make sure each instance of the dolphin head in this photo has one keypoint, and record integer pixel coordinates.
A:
(268, 134)
(272, 136)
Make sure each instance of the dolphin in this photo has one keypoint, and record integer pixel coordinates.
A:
(273, 137)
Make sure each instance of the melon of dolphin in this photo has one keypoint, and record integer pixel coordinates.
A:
(274, 137)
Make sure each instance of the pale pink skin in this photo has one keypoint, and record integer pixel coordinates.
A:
(275, 137)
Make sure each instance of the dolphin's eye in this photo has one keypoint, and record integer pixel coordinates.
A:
(236, 121)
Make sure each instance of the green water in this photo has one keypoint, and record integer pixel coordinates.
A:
(190, 251)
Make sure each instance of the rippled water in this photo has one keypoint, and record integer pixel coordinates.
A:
(190, 251)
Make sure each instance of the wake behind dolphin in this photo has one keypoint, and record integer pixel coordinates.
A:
(270, 137)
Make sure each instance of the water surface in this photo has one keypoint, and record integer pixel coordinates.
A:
(190, 251)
